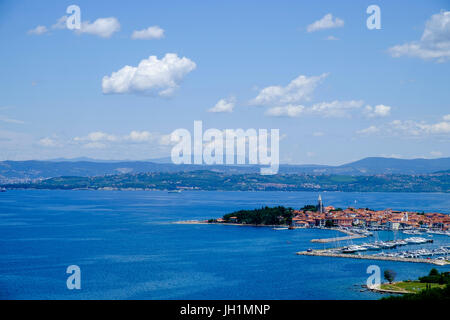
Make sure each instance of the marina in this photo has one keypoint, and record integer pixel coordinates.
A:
(434, 255)
(398, 258)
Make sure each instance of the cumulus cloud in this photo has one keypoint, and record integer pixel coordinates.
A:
(369, 130)
(299, 89)
(332, 38)
(411, 128)
(327, 22)
(139, 136)
(151, 76)
(48, 142)
(377, 111)
(284, 101)
(102, 27)
(97, 136)
(335, 108)
(99, 139)
(223, 105)
(290, 111)
(38, 30)
(446, 117)
(154, 32)
(434, 43)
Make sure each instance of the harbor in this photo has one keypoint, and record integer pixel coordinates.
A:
(434, 255)
(331, 253)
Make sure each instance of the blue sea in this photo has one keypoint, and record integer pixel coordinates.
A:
(127, 246)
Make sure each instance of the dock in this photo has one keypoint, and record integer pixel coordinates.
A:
(349, 236)
(325, 253)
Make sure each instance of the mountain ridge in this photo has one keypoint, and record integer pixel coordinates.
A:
(39, 169)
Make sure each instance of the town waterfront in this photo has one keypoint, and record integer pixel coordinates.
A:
(128, 247)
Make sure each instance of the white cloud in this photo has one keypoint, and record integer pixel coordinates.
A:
(332, 109)
(411, 128)
(301, 88)
(377, 111)
(318, 134)
(9, 120)
(38, 30)
(335, 108)
(99, 139)
(287, 111)
(102, 27)
(332, 38)
(446, 117)
(139, 136)
(369, 130)
(441, 127)
(61, 23)
(97, 136)
(48, 142)
(434, 43)
(150, 76)
(154, 32)
(327, 22)
(224, 105)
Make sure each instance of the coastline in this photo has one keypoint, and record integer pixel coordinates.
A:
(350, 235)
(233, 224)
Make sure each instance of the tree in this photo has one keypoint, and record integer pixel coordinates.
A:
(434, 272)
(329, 224)
(389, 275)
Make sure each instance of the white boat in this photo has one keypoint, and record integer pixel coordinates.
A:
(353, 248)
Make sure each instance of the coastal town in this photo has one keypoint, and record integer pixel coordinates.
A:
(362, 219)
(387, 219)
(357, 223)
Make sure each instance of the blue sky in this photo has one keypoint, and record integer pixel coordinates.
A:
(363, 92)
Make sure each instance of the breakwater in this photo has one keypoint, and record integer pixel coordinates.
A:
(349, 236)
(325, 253)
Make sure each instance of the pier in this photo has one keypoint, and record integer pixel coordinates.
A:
(326, 253)
(349, 236)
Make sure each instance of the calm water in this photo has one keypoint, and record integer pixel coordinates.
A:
(127, 247)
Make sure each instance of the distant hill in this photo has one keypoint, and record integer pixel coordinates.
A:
(33, 169)
(208, 180)
(378, 165)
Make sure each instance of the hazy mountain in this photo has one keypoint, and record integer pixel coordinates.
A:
(34, 169)
(378, 165)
